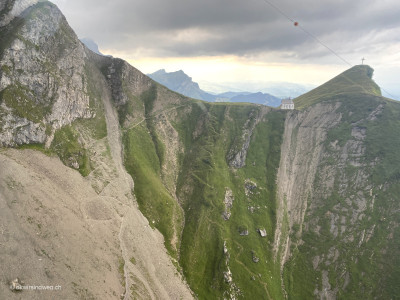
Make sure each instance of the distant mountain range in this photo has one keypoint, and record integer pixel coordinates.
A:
(91, 45)
(181, 83)
(280, 89)
(106, 174)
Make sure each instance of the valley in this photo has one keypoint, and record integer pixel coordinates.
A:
(114, 186)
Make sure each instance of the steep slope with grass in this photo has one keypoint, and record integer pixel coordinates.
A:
(80, 231)
(354, 82)
(182, 157)
(337, 188)
(235, 170)
(241, 201)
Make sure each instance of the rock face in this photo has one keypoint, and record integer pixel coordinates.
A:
(323, 180)
(238, 152)
(13, 8)
(228, 202)
(85, 234)
(243, 232)
(254, 257)
(296, 171)
(43, 80)
(327, 192)
(262, 232)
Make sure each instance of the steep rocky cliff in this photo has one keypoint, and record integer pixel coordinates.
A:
(43, 77)
(84, 237)
(241, 201)
(343, 216)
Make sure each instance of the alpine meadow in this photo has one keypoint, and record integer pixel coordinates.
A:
(112, 186)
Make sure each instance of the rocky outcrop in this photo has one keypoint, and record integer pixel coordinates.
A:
(255, 258)
(301, 152)
(16, 285)
(233, 291)
(48, 80)
(125, 80)
(262, 232)
(249, 187)
(43, 80)
(228, 202)
(238, 152)
(10, 9)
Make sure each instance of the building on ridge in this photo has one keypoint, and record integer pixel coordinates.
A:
(287, 104)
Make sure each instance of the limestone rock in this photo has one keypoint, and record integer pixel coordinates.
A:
(13, 10)
(255, 258)
(244, 232)
(38, 95)
(238, 153)
(262, 232)
(249, 187)
(228, 276)
(228, 202)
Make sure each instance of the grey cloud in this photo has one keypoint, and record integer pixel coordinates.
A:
(239, 27)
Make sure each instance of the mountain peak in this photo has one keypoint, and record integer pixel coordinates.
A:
(11, 9)
(160, 72)
(356, 80)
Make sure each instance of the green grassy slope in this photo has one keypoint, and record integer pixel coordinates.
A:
(207, 174)
(360, 260)
(356, 80)
(207, 134)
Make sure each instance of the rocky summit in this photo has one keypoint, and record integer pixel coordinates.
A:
(113, 186)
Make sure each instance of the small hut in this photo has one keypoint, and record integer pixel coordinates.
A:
(287, 104)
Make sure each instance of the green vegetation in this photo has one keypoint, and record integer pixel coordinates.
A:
(350, 236)
(206, 173)
(383, 143)
(37, 147)
(367, 249)
(23, 103)
(143, 160)
(355, 81)
(121, 267)
(207, 134)
(70, 150)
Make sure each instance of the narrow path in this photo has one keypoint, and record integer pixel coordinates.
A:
(153, 116)
(114, 141)
(153, 266)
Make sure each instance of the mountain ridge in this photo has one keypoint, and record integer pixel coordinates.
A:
(180, 82)
(238, 200)
(357, 79)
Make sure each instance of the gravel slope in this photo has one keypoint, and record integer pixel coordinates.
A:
(57, 230)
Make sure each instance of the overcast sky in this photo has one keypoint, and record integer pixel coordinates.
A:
(245, 40)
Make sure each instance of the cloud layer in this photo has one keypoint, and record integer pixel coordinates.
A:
(234, 27)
